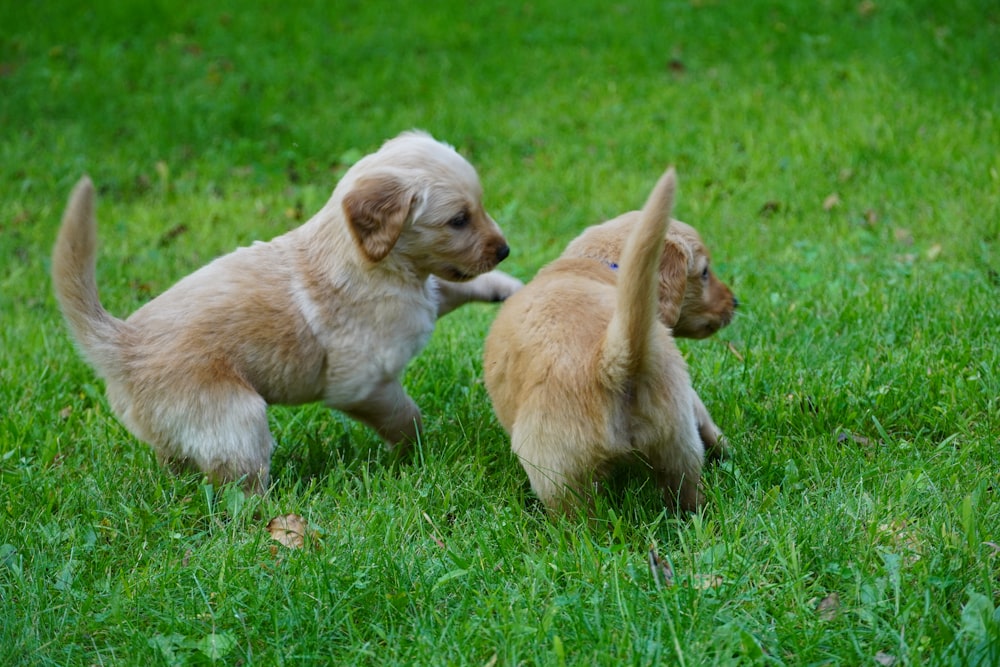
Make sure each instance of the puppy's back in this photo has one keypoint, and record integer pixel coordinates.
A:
(545, 338)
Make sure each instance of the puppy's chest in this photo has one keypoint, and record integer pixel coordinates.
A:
(366, 351)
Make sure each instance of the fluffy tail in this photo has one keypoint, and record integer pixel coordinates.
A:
(74, 259)
(628, 335)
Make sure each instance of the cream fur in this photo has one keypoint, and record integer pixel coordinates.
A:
(331, 311)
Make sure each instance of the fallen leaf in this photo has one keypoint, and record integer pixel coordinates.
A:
(770, 207)
(828, 607)
(703, 582)
(172, 234)
(933, 252)
(844, 436)
(885, 659)
(900, 535)
(66, 412)
(662, 573)
(866, 8)
(434, 537)
(831, 202)
(288, 529)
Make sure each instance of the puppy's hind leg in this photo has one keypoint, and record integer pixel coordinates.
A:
(228, 438)
(560, 481)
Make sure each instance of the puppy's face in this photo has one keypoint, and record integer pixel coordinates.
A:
(705, 304)
(419, 203)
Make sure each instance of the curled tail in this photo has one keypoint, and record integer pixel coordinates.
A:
(74, 258)
(636, 310)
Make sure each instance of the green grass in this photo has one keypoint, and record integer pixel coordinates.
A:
(857, 522)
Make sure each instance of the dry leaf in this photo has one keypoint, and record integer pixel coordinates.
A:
(66, 412)
(434, 537)
(899, 534)
(289, 529)
(933, 252)
(662, 573)
(703, 582)
(885, 659)
(844, 436)
(831, 202)
(866, 8)
(903, 236)
(770, 207)
(828, 607)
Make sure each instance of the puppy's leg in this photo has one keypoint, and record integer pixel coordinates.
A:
(218, 426)
(228, 438)
(391, 412)
(716, 446)
(677, 466)
(489, 287)
(561, 480)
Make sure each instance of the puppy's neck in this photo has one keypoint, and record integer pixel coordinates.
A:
(611, 264)
(331, 251)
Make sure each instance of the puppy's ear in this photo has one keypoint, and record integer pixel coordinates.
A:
(376, 208)
(673, 281)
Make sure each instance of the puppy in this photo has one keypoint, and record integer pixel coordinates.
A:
(583, 369)
(331, 311)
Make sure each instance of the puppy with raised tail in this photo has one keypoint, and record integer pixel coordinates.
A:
(582, 366)
(331, 311)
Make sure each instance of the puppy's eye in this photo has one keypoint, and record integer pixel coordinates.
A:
(460, 221)
(704, 274)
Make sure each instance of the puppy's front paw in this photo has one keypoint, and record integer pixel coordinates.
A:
(498, 286)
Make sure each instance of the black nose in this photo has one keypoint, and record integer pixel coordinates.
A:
(736, 302)
(502, 252)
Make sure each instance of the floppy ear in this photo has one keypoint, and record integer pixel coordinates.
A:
(673, 281)
(376, 208)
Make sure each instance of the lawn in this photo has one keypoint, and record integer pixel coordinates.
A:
(842, 161)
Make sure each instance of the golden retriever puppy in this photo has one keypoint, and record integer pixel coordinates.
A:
(582, 366)
(331, 311)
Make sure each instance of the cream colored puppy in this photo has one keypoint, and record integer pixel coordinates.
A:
(583, 370)
(331, 311)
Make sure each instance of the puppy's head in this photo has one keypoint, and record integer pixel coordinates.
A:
(693, 301)
(416, 202)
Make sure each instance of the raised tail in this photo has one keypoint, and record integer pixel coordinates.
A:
(74, 258)
(636, 310)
